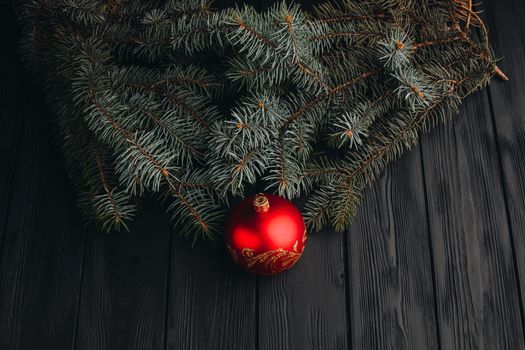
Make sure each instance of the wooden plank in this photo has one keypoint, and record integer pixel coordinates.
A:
(507, 28)
(124, 285)
(304, 308)
(11, 120)
(392, 298)
(43, 240)
(477, 294)
(212, 302)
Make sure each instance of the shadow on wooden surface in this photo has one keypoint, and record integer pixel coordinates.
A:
(476, 289)
(505, 18)
(392, 298)
(41, 237)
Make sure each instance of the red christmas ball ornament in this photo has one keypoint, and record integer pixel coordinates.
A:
(265, 234)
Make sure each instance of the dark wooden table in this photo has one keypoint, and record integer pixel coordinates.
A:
(435, 259)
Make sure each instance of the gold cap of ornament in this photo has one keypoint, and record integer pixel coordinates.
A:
(261, 203)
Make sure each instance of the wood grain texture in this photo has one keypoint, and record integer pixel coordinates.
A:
(505, 19)
(11, 121)
(124, 286)
(211, 300)
(392, 300)
(304, 308)
(477, 294)
(43, 240)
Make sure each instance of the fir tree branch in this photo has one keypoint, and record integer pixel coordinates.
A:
(367, 75)
(175, 99)
(114, 206)
(349, 18)
(125, 134)
(428, 43)
(243, 26)
(156, 119)
(187, 108)
(283, 182)
(470, 16)
(241, 165)
(318, 206)
(193, 211)
(383, 149)
(254, 71)
(304, 68)
(174, 189)
(299, 112)
(335, 35)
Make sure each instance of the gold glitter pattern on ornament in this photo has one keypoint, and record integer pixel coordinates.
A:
(269, 262)
(272, 261)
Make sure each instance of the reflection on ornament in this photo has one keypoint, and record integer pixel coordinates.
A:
(265, 234)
